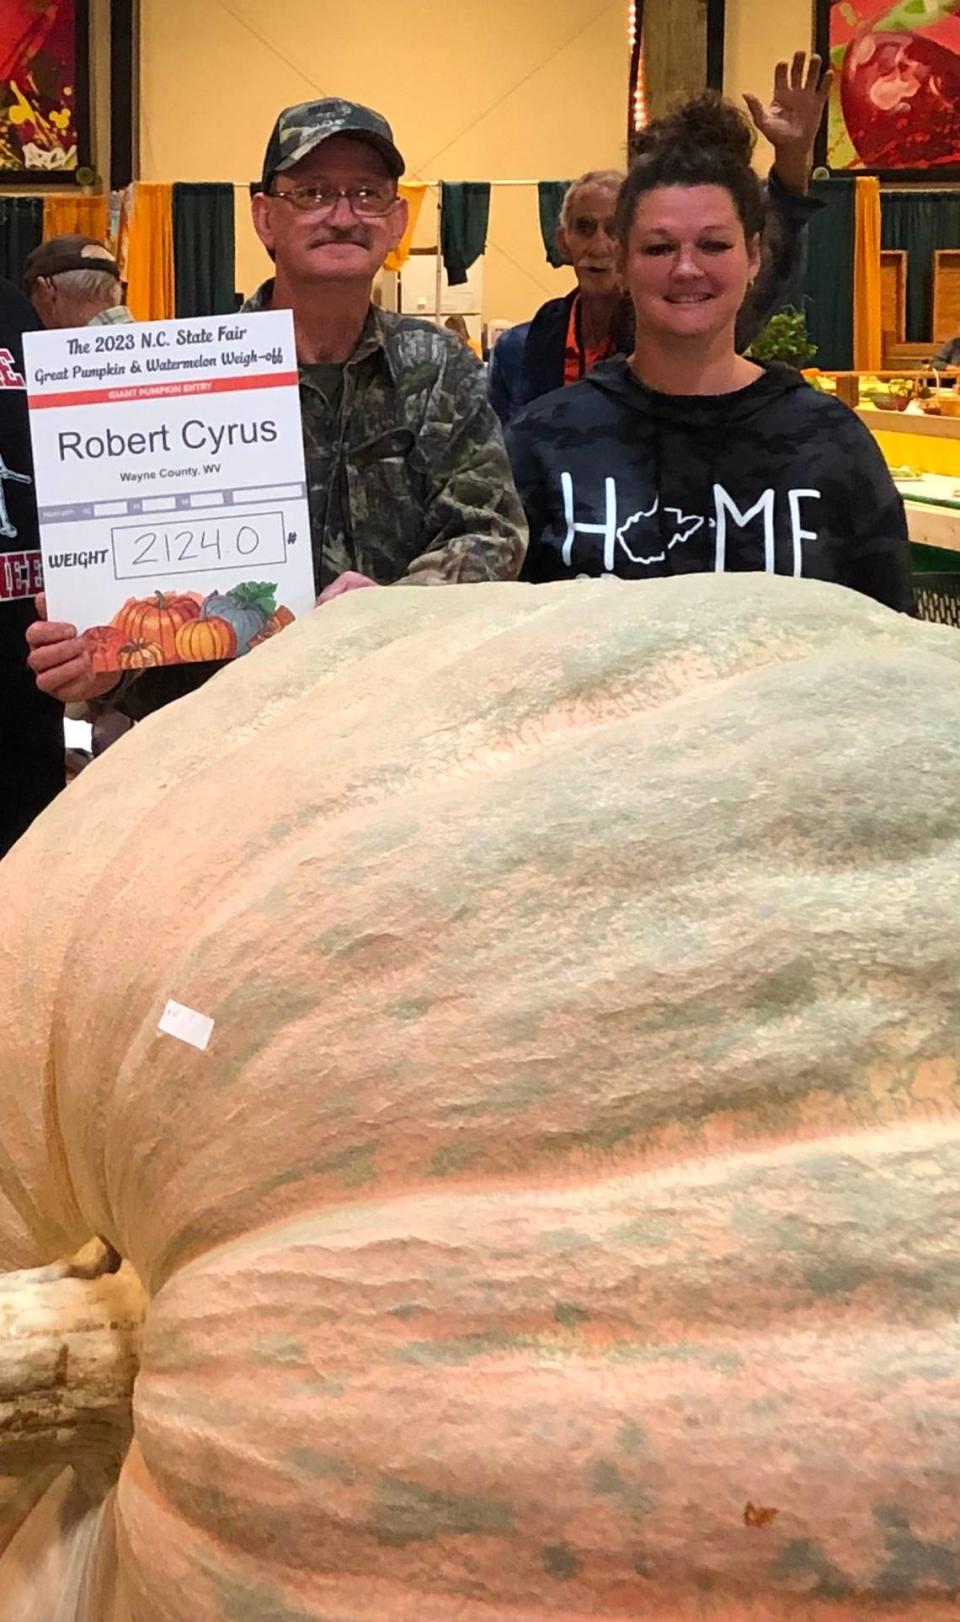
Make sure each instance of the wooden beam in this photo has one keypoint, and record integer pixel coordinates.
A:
(124, 92)
(682, 50)
(716, 42)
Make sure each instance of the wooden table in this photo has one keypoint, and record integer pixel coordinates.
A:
(931, 446)
(930, 525)
(848, 383)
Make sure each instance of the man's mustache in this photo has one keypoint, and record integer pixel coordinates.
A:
(358, 239)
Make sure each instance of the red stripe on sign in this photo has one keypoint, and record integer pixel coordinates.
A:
(161, 391)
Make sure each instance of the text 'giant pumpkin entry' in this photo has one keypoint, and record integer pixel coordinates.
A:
(562, 1220)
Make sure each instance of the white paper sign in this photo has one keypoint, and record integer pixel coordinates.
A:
(186, 1025)
(168, 458)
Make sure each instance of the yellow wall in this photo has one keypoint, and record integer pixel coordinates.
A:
(758, 34)
(509, 88)
(475, 90)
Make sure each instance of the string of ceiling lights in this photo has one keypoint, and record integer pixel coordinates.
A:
(638, 114)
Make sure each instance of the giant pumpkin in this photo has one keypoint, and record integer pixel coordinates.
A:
(563, 1219)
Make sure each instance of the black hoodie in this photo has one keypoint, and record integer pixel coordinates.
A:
(617, 479)
(31, 726)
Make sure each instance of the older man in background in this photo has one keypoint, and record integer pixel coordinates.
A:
(74, 281)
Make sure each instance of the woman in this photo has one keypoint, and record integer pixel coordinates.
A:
(685, 456)
(457, 324)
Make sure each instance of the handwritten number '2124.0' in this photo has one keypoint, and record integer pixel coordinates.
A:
(246, 542)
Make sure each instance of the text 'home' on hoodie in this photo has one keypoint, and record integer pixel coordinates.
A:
(617, 479)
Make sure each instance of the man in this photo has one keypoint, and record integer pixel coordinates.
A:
(74, 281)
(31, 725)
(568, 336)
(407, 477)
(948, 354)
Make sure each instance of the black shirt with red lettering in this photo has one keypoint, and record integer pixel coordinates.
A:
(31, 725)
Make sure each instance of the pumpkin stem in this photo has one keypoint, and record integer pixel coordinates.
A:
(69, 1355)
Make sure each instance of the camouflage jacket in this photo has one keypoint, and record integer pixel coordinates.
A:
(425, 489)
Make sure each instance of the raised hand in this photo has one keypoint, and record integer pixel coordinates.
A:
(792, 117)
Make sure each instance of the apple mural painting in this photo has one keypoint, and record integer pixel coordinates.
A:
(900, 95)
(898, 99)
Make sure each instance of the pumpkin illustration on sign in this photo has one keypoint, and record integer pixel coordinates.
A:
(276, 622)
(140, 656)
(207, 638)
(247, 608)
(171, 627)
(103, 644)
(157, 619)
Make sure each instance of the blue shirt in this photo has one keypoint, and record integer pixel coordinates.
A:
(505, 372)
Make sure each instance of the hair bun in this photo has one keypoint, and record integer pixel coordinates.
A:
(706, 122)
(705, 141)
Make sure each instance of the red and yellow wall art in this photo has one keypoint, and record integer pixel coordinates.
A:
(43, 88)
(895, 106)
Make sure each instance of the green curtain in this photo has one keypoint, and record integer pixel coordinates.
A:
(464, 215)
(931, 559)
(550, 195)
(21, 230)
(826, 288)
(920, 221)
(204, 249)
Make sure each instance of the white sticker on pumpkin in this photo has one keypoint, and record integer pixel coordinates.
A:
(186, 1025)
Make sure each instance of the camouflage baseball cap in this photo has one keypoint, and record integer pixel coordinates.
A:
(299, 129)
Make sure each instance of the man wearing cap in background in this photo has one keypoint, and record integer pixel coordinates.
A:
(407, 476)
(74, 281)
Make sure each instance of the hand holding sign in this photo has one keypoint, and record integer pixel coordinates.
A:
(350, 580)
(142, 536)
(61, 661)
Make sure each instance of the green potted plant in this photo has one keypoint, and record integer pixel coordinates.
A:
(785, 338)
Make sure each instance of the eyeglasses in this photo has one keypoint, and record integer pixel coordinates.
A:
(367, 202)
(585, 225)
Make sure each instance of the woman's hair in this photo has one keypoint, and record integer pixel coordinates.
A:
(704, 142)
